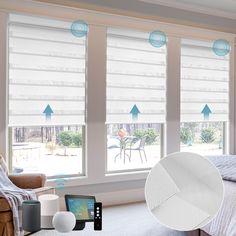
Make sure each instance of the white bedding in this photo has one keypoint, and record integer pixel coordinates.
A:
(184, 191)
(224, 224)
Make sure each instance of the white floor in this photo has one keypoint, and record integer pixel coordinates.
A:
(126, 220)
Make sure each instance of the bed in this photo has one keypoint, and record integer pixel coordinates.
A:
(224, 222)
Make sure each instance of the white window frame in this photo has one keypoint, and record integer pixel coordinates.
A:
(96, 100)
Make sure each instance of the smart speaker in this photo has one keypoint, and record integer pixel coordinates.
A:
(31, 216)
(49, 207)
(64, 221)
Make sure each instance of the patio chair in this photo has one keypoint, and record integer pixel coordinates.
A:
(118, 143)
(114, 143)
(137, 144)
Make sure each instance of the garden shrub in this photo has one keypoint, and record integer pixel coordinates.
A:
(208, 135)
(77, 139)
(66, 140)
(185, 135)
(151, 135)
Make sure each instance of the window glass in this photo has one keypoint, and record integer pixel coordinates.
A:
(136, 87)
(204, 138)
(52, 150)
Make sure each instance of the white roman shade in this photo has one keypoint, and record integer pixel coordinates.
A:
(204, 83)
(46, 70)
(136, 78)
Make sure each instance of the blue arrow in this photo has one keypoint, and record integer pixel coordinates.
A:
(48, 112)
(206, 112)
(135, 111)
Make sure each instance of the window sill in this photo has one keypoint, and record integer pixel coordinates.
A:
(107, 178)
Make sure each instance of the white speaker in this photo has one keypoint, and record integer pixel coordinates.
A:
(64, 221)
(49, 207)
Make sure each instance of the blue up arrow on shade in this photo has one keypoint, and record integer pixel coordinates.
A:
(206, 112)
(135, 111)
(48, 112)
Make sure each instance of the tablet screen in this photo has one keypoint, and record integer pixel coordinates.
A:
(82, 208)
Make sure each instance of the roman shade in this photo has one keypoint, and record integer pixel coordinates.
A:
(46, 72)
(136, 78)
(204, 82)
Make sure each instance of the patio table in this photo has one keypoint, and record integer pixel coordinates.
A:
(123, 143)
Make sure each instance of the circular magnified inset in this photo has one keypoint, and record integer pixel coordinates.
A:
(79, 28)
(184, 191)
(221, 47)
(157, 38)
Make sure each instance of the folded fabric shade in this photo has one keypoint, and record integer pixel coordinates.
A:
(184, 191)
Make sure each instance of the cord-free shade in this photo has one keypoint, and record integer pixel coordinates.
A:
(204, 83)
(46, 72)
(136, 78)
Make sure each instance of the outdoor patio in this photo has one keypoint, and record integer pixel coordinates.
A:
(36, 157)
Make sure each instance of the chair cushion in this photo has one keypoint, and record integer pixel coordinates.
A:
(4, 206)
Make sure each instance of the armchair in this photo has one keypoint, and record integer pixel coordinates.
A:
(30, 181)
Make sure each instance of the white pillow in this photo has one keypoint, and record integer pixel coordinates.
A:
(3, 164)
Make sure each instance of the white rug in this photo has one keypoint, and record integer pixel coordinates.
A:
(126, 220)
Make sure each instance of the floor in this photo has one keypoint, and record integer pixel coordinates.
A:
(125, 220)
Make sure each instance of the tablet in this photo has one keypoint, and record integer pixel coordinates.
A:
(81, 206)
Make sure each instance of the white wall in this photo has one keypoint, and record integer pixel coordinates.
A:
(156, 12)
(3, 84)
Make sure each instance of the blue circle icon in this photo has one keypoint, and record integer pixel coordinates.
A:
(79, 28)
(221, 47)
(157, 39)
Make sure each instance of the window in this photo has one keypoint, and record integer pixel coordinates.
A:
(104, 97)
(204, 98)
(46, 96)
(55, 151)
(136, 85)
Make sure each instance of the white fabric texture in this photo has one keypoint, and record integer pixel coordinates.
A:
(204, 81)
(46, 72)
(160, 187)
(136, 76)
(199, 195)
(178, 204)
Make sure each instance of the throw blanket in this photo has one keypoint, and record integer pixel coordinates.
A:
(15, 196)
(226, 164)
